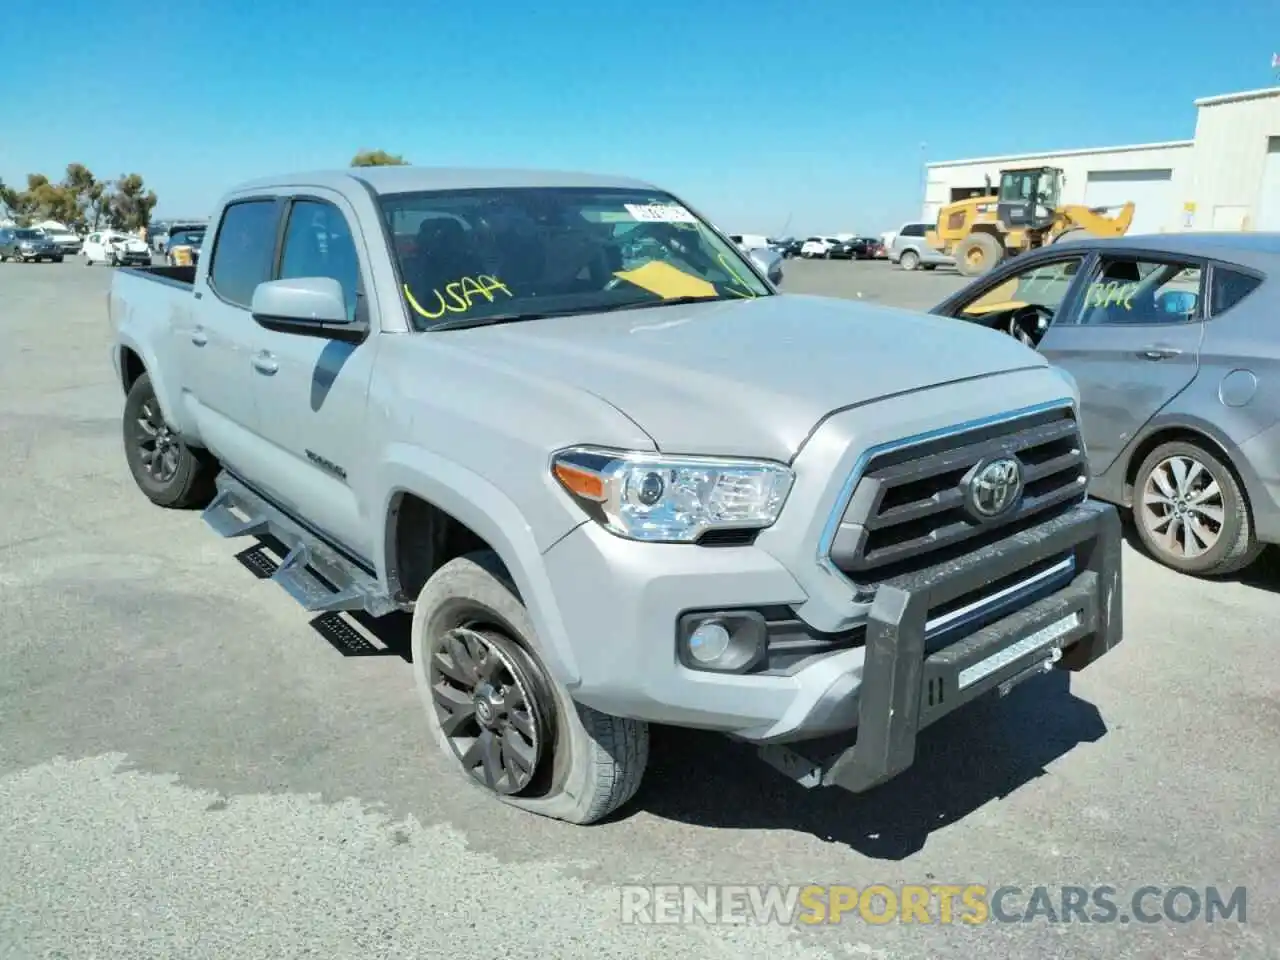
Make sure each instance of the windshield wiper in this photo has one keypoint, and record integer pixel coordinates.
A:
(668, 302)
(466, 323)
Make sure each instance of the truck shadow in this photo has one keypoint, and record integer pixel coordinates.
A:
(980, 753)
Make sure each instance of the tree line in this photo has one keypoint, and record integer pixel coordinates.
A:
(83, 202)
(80, 200)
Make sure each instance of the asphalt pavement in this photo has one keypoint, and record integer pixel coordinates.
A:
(189, 768)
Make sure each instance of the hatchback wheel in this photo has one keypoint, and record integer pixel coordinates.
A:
(1191, 513)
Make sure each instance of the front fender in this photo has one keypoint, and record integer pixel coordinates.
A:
(491, 514)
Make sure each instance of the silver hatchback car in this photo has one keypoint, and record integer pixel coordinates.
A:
(1174, 343)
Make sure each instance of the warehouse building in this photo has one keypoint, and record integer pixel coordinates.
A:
(1226, 178)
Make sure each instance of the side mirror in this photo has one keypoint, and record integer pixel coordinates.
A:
(307, 306)
(770, 264)
(1181, 303)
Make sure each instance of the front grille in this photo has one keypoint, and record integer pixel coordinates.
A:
(909, 508)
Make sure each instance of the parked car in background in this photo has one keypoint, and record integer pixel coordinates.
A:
(161, 232)
(911, 252)
(115, 248)
(23, 244)
(64, 238)
(790, 247)
(868, 248)
(183, 247)
(843, 249)
(68, 243)
(1174, 344)
(818, 247)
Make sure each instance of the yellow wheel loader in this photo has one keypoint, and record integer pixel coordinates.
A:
(981, 231)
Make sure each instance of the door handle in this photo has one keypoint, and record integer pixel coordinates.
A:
(264, 363)
(199, 337)
(1158, 353)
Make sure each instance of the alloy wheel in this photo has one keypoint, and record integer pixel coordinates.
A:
(158, 446)
(1182, 507)
(489, 707)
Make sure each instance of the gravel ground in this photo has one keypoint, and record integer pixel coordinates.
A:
(188, 769)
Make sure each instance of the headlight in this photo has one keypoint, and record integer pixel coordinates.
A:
(646, 496)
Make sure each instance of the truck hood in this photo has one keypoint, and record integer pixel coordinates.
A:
(746, 377)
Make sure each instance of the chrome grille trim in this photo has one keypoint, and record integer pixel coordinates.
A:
(842, 502)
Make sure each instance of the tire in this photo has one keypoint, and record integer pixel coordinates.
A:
(184, 480)
(909, 260)
(929, 266)
(978, 253)
(57, 259)
(585, 764)
(1235, 545)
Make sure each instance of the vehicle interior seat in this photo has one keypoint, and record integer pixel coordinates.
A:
(444, 254)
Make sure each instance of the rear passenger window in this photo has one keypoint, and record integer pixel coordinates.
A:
(243, 250)
(1230, 287)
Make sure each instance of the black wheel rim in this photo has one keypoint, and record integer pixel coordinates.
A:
(158, 448)
(488, 707)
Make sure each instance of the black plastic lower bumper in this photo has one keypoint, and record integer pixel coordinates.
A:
(905, 687)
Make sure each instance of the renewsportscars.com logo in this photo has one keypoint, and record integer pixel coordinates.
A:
(970, 904)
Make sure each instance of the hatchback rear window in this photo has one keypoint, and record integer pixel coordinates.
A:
(1229, 287)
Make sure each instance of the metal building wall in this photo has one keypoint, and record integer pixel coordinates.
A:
(1232, 133)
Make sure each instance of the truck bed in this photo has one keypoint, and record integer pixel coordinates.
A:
(175, 276)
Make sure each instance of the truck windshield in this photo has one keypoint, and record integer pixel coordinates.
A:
(530, 251)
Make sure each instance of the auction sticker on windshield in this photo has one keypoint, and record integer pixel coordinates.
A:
(659, 213)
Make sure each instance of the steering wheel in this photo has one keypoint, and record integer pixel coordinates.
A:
(1028, 324)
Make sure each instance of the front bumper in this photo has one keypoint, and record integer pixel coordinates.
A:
(905, 687)
(620, 602)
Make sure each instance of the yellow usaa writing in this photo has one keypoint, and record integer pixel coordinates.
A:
(462, 293)
(879, 904)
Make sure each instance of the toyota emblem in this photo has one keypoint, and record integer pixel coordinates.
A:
(993, 487)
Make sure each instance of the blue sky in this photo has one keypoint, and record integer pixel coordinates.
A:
(759, 112)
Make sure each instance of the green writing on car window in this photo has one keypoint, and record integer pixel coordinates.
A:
(461, 294)
(1103, 293)
(746, 293)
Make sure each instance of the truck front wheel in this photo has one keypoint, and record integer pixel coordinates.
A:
(169, 472)
(495, 712)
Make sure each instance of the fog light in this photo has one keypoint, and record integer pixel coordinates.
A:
(725, 641)
(709, 641)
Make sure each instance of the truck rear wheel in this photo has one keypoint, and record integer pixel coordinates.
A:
(978, 253)
(169, 472)
(493, 710)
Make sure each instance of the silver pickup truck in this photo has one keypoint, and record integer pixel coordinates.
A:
(615, 474)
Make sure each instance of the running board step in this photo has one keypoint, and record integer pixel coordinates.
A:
(321, 577)
(221, 516)
(310, 590)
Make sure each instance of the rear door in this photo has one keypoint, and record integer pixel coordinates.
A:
(1130, 335)
(222, 342)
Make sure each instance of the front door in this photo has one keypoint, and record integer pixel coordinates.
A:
(1131, 338)
(311, 392)
(221, 340)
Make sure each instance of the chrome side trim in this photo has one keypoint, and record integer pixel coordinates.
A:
(846, 491)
